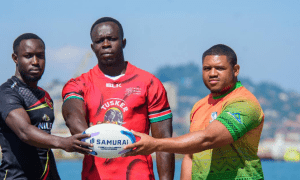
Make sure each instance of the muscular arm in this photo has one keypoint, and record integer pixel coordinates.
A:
(214, 136)
(19, 122)
(165, 161)
(74, 113)
(186, 167)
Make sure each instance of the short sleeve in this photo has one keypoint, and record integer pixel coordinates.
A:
(158, 105)
(240, 117)
(9, 101)
(73, 89)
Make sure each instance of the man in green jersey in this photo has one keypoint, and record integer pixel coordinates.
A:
(225, 126)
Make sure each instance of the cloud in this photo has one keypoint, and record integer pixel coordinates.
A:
(62, 63)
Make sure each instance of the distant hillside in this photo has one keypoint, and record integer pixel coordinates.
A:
(278, 104)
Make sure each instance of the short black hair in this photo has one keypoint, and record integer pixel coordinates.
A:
(221, 49)
(25, 36)
(108, 19)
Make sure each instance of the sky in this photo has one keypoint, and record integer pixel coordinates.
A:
(264, 34)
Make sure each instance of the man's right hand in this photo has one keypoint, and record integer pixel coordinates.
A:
(74, 144)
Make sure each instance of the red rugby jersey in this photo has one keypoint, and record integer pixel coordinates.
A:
(134, 101)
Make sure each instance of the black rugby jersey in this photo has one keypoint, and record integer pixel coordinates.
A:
(20, 160)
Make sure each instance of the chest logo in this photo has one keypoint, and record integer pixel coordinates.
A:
(49, 103)
(46, 117)
(214, 116)
(114, 115)
(133, 90)
(112, 85)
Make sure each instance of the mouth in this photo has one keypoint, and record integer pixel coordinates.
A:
(213, 81)
(107, 54)
(35, 71)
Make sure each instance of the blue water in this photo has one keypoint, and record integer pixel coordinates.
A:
(273, 170)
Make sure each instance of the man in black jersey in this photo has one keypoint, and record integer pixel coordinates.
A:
(27, 116)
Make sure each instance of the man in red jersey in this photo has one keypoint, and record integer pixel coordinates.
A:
(115, 91)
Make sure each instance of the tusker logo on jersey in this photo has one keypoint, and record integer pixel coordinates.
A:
(214, 116)
(115, 102)
(114, 115)
(114, 109)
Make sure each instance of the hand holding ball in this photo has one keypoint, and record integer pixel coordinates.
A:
(109, 140)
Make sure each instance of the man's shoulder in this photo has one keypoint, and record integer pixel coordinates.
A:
(242, 93)
(140, 71)
(84, 78)
(8, 86)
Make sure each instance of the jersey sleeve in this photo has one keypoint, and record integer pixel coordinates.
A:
(73, 89)
(240, 117)
(9, 101)
(158, 105)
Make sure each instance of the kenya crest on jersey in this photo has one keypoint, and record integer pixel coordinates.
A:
(113, 110)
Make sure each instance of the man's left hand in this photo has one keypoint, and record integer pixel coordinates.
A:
(145, 146)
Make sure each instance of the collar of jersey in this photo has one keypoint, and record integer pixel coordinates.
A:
(237, 85)
(129, 69)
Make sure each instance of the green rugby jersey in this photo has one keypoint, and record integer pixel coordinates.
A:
(242, 115)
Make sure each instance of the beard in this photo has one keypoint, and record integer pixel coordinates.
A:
(28, 78)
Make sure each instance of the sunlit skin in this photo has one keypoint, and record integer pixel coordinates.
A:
(108, 46)
(218, 74)
(30, 61)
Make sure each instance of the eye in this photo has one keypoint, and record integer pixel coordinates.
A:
(99, 41)
(41, 56)
(28, 56)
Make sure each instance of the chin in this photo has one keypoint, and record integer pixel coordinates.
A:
(31, 78)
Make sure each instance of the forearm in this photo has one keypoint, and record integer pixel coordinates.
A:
(187, 144)
(165, 163)
(73, 111)
(186, 167)
(38, 138)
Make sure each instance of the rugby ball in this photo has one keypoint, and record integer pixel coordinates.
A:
(108, 140)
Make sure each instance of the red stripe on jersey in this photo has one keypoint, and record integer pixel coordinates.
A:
(40, 101)
(73, 95)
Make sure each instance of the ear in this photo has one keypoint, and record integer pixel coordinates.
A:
(124, 43)
(236, 70)
(92, 47)
(14, 56)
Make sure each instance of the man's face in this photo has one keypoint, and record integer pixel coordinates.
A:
(218, 75)
(30, 59)
(107, 43)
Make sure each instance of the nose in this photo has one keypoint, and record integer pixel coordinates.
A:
(106, 43)
(35, 60)
(213, 72)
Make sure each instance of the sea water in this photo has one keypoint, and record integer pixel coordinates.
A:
(273, 170)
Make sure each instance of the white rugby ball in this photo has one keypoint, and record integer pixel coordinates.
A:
(108, 140)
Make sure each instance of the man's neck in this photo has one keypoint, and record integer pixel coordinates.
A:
(32, 84)
(114, 70)
(225, 91)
